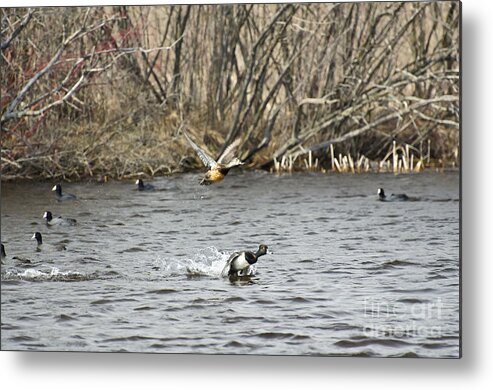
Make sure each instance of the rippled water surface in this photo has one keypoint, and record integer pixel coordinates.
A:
(348, 275)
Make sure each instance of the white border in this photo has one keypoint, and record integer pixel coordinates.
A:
(474, 370)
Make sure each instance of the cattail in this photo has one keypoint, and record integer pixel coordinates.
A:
(332, 155)
(351, 162)
(394, 156)
(338, 167)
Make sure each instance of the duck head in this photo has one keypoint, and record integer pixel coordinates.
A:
(37, 236)
(262, 250)
(381, 193)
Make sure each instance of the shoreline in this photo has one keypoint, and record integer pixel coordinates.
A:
(107, 179)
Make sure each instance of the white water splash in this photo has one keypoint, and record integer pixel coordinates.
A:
(37, 275)
(207, 262)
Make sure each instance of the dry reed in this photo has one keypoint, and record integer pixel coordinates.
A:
(104, 91)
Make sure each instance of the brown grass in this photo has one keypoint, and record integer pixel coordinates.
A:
(289, 80)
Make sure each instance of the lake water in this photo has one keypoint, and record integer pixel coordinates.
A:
(348, 275)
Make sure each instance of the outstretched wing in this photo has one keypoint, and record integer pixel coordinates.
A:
(206, 159)
(226, 268)
(228, 153)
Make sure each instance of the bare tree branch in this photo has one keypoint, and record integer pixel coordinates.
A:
(384, 119)
(4, 45)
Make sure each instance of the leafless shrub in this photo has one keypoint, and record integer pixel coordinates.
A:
(103, 90)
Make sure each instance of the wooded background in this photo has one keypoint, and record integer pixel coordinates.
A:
(106, 91)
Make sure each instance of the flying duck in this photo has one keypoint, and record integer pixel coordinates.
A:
(392, 197)
(238, 263)
(60, 196)
(50, 221)
(217, 170)
(144, 187)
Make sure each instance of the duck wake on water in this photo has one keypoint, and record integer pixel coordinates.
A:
(214, 263)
